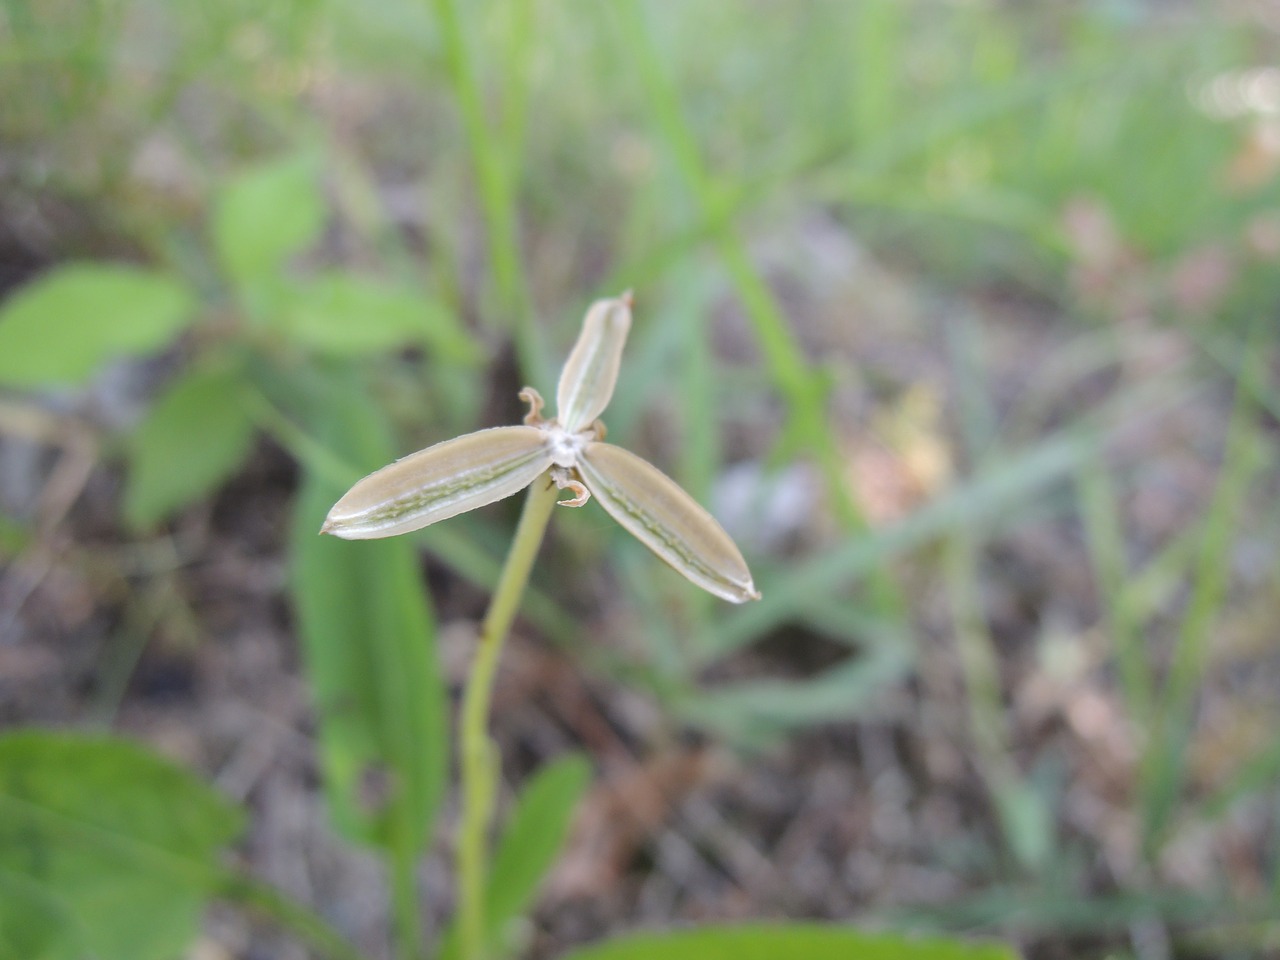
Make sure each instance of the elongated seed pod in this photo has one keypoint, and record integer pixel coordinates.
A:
(591, 372)
(653, 508)
(439, 482)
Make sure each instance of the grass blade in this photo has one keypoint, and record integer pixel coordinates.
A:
(368, 638)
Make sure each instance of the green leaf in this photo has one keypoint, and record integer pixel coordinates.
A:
(61, 328)
(343, 314)
(369, 642)
(1027, 820)
(14, 537)
(266, 215)
(990, 497)
(193, 439)
(34, 926)
(807, 941)
(753, 713)
(533, 838)
(103, 845)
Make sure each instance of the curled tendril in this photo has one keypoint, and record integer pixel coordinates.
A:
(534, 399)
(564, 479)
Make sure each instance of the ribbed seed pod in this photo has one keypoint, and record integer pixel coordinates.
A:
(439, 482)
(667, 520)
(591, 372)
(479, 468)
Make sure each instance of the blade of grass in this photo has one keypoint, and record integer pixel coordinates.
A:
(495, 183)
(369, 641)
(519, 33)
(700, 436)
(1164, 767)
(1063, 912)
(875, 67)
(1104, 534)
(755, 714)
(804, 393)
(1275, 853)
(1023, 817)
(848, 622)
(988, 496)
(1022, 813)
(1259, 772)
(652, 588)
(268, 902)
(842, 167)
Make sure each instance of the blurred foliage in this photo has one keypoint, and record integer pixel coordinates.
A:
(532, 839)
(105, 849)
(328, 221)
(800, 940)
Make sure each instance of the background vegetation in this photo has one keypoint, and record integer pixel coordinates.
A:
(961, 315)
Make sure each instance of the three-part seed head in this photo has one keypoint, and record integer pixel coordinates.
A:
(478, 468)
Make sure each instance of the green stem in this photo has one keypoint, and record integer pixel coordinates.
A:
(477, 755)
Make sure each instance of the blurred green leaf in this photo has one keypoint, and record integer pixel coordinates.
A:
(266, 215)
(794, 941)
(14, 537)
(341, 313)
(1164, 766)
(61, 328)
(369, 641)
(192, 440)
(119, 843)
(754, 712)
(989, 497)
(33, 926)
(532, 840)
(1027, 820)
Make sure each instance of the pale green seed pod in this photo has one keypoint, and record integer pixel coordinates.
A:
(666, 520)
(591, 372)
(476, 469)
(439, 482)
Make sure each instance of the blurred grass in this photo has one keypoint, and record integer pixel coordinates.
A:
(514, 160)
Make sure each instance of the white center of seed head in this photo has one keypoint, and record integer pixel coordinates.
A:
(565, 446)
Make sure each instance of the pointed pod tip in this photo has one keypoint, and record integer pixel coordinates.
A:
(336, 527)
(628, 298)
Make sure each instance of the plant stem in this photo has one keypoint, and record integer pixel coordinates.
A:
(477, 756)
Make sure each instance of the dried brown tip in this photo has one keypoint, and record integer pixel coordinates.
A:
(534, 399)
(566, 481)
(628, 298)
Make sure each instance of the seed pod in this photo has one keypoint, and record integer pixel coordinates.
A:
(439, 482)
(591, 372)
(666, 520)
